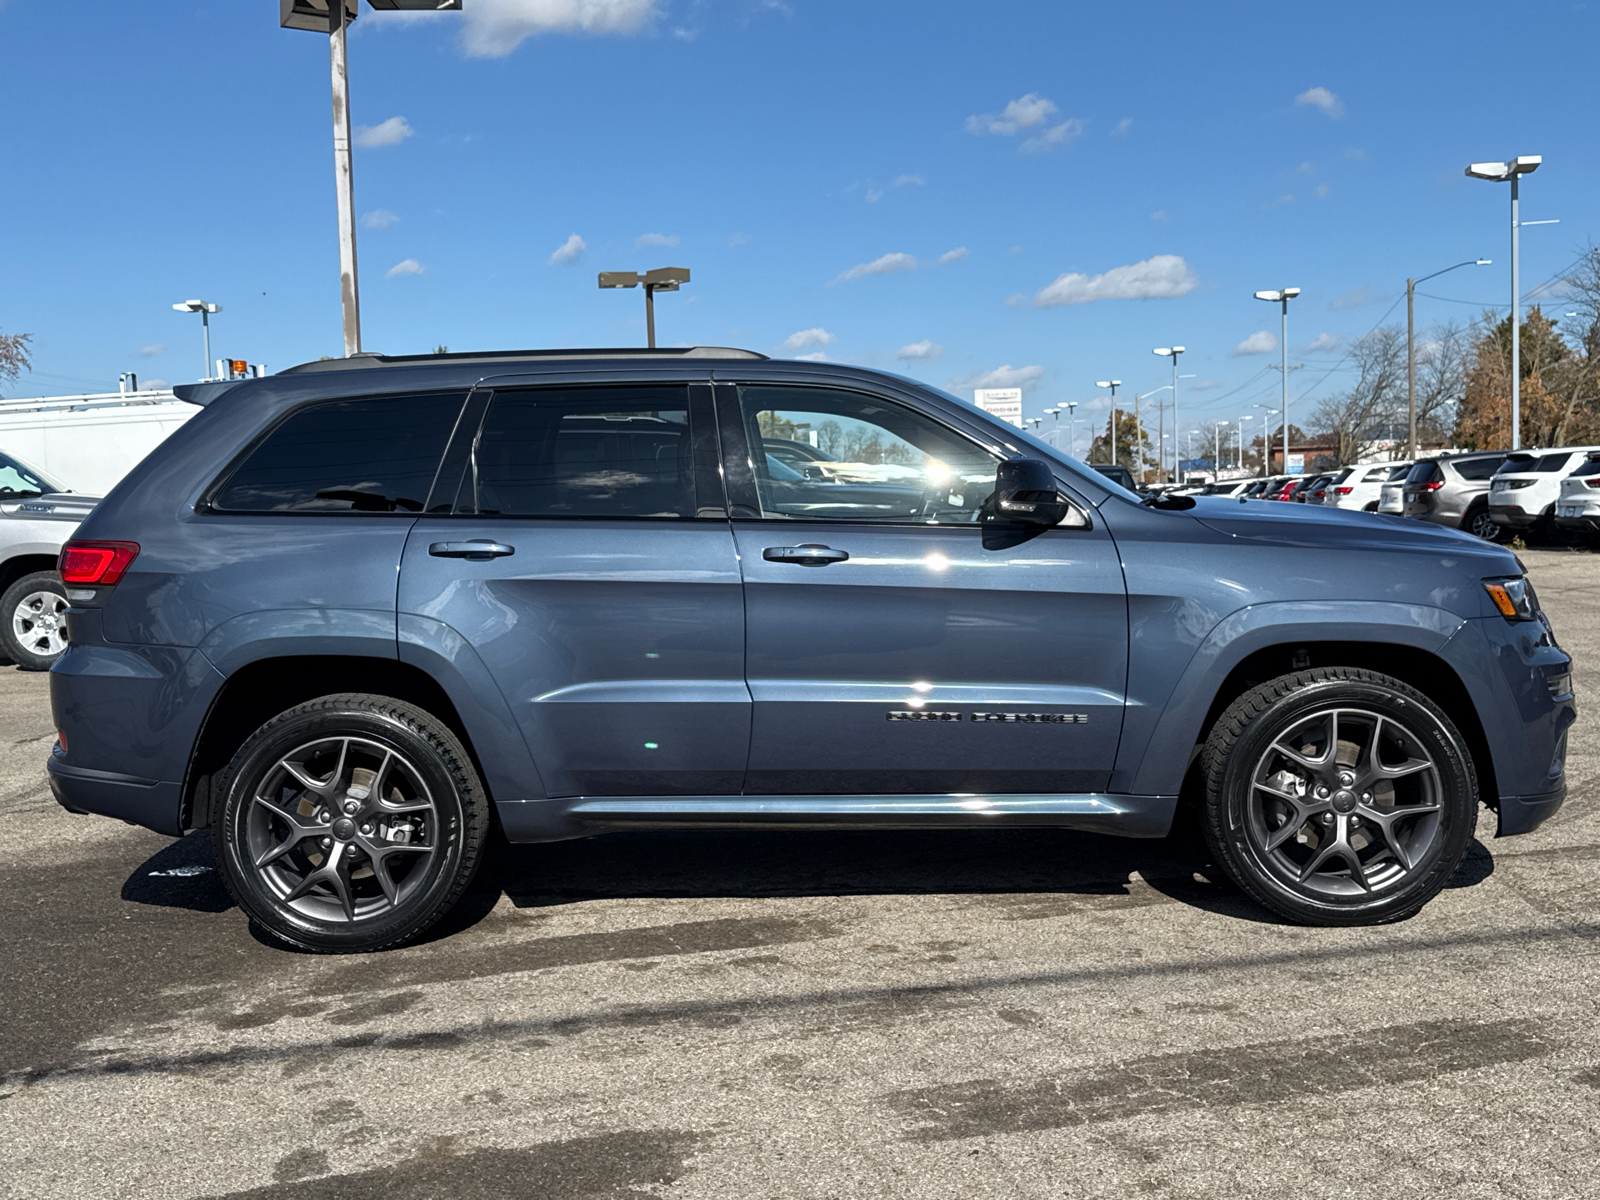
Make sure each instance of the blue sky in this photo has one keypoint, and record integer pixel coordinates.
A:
(910, 179)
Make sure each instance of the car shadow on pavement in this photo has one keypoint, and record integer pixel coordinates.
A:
(1019, 873)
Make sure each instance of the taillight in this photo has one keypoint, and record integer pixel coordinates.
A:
(1593, 482)
(1431, 486)
(1344, 491)
(96, 563)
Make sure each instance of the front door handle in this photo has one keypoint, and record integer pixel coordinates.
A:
(480, 550)
(809, 555)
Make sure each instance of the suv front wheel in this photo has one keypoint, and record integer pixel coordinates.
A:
(1338, 796)
(1479, 523)
(349, 823)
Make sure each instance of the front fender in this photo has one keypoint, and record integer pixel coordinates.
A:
(1158, 739)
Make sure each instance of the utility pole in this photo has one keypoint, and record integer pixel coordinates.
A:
(1411, 350)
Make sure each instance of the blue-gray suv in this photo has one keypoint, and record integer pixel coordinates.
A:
(359, 616)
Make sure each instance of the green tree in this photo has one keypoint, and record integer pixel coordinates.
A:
(1132, 443)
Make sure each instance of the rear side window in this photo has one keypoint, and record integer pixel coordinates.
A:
(1550, 464)
(1423, 472)
(370, 455)
(1591, 467)
(1478, 468)
(587, 452)
(1398, 473)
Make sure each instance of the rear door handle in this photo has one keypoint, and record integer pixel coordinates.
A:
(809, 555)
(480, 550)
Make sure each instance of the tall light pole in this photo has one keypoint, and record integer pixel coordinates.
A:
(662, 279)
(1266, 443)
(333, 17)
(205, 308)
(1242, 420)
(1411, 350)
(1072, 429)
(1113, 384)
(1511, 171)
(1282, 296)
(1172, 352)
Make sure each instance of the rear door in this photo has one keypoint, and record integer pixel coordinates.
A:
(898, 643)
(587, 560)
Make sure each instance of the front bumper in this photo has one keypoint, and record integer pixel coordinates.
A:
(1524, 814)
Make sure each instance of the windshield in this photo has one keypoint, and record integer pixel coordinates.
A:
(18, 482)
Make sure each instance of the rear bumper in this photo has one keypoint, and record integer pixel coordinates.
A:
(146, 802)
(1511, 516)
(1585, 524)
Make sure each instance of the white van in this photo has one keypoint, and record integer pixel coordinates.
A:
(89, 442)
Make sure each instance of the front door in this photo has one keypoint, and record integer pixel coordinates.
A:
(587, 560)
(898, 641)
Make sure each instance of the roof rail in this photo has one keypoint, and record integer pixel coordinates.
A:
(369, 360)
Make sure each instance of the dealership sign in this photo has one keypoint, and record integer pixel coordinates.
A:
(1005, 403)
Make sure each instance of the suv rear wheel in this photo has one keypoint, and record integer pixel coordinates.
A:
(33, 621)
(1338, 796)
(349, 823)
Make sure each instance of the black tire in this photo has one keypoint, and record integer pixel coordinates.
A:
(1383, 851)
(33, 628)
(1479, 523)
(293, 854)
(1373, 507)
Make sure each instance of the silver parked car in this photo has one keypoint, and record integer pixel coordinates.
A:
(1453, 490)
(37, 515)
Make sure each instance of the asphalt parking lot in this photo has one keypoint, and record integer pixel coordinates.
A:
(817, 1015)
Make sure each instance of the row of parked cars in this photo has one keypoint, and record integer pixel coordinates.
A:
(1492, 494)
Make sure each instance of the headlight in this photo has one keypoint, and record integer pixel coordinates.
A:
(1514, 598)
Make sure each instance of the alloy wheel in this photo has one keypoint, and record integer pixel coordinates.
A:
(1344, 803)
(341, 829)
(39, 623)
(1484, 526)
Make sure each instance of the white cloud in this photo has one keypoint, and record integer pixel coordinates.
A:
(569, 252)
(807, 337)
(386, 133)
(1056, 135)
(1123, 126)
(1355, 154)
(1286, 198)
(154, 385)
(909, 181)
(494, 28)
(152, 350)
(1321, 98)
(950, 256)
(654, 239)
(1260, 342)
(1006, 376)
(919, 352)
(406, 266)
(1160, 214)
(886, 265)
(874, 195)
(737, 240)
(814, 356)
(1323, 342)
(1205, 385)
(1160, 278)
(1322, 191)
(379, 218)
(1022, 113)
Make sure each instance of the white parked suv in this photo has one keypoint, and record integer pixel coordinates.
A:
(1358, 487)
(1523, 491)
(1392, 491)
(37, 514)
(1578, 504)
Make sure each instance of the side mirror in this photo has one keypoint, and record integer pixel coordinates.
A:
(1025, 491)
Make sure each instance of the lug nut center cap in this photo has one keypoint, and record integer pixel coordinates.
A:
(344, 829)
(1344, 800)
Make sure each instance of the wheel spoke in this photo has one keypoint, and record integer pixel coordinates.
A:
(1310, 764)
(1288, 829)
(1321, 856)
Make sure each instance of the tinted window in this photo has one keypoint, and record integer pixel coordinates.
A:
(1517, 462)
(1398, 473)
(587, 452)
(1591, 467)
(1423, 472)
(1478, 468)
(871, 460)
(367, 455)
(1549, 464)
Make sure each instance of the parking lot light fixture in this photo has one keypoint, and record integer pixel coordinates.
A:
(1282, 296)
(1510, 172)
(1173, 352)
(205, 308)
(333, 18)
(1266, 442)
(1242, 419)
(1113, 384)
(662, 279)
(1411, 349)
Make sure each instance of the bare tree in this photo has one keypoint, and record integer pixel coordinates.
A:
(1376, 402)
(14, 357)
(1579, 382)
(1441, 379)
